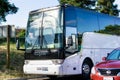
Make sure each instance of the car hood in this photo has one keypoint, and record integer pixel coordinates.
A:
(109, 64)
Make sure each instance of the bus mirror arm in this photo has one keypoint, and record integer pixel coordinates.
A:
(18, 46)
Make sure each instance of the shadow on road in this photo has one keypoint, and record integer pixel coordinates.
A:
(58, 78)
(68, 78)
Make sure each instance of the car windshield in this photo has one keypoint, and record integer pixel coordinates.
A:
(44, 30)
(114, 55)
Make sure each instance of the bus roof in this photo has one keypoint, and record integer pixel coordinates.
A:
(58, 6)
(44, 9)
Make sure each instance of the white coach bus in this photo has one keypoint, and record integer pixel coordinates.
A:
(64, 40)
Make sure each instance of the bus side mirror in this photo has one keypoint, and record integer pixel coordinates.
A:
(70, 41)
(17, 45)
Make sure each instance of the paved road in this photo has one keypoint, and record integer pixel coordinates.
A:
(47, 78)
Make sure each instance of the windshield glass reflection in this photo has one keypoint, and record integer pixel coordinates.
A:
(44, 30)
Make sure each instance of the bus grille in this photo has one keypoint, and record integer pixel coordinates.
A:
(109, 72)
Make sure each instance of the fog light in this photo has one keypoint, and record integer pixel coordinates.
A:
(26, 62)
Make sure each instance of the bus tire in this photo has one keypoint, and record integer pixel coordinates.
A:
(86, 69)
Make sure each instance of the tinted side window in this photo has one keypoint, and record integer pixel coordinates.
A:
(70, 17)
(117, 21)
(105, 21)
(71, 31)
(87, 21)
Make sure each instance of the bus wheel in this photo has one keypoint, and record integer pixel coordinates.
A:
(86, 70)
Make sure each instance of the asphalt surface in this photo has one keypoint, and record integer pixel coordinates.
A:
(47, 78)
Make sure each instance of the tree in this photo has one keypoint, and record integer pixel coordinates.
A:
(6, 8)
(107, 7)
(20, 33)
(102, 6)
(88, 4)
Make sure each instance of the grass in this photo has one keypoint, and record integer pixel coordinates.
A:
(16, 62)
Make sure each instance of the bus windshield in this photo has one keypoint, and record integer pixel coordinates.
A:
(44, 30)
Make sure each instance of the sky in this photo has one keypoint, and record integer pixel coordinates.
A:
(25, 6)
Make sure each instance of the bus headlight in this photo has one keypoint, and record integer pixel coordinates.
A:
(57, 61)
(26, 62)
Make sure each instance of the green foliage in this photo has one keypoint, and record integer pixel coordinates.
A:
(111, 29)
(2, 59)
(20, 32)
(107, 7)
(3, 43)
(16, 63)
(88, 4)
(6, 8)
(3, 40)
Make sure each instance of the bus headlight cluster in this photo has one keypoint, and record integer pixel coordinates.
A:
(57, 61)
(26, 62)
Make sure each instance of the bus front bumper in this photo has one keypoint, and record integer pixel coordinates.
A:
(50, 69)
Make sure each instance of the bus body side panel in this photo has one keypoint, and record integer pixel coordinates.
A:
(71, 65)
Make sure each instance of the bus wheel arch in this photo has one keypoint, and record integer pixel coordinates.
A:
(86, 67)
